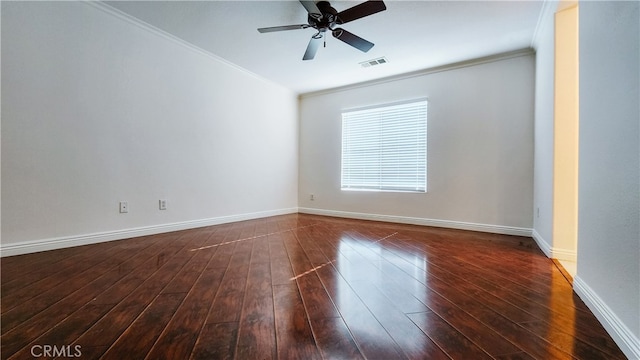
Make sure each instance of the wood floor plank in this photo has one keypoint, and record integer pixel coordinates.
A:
(448, 282)
(179, 336)
(492, 318)
(464, 322)
(453, 343)
(317, 301)
(307, 240)
(32, 329)
(228, 301)
(138, 339)
(552, 350)
(256, 333)
(34, 283)
(39, 323)
(392, 280)
(281, 272)
(497, 295)
(414, 283)
(43, 264)
(216, 341)
(107, 330)
(72, 279)
(412, 340)
(538, 347)
(565, 340)
(485, 337)
(293, 332)
(185, 277)
(371, 338)
(415, 344)
(296, 255)
(334, 339)
(64, 333)
(534, 293)
(173, 281)
(300, 286)
(515, 356)
(135, 292)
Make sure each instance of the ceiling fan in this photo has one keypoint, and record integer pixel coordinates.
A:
(323, 18)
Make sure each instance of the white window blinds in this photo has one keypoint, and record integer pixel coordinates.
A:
(385, 148)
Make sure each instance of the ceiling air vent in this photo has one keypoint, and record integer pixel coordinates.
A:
(374, 62)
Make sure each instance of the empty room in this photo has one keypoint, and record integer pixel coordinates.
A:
(320, 180)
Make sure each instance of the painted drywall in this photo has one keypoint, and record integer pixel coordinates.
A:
(98, 109)
(609, 167)
(565, 135)
(479, 146)
(543, 130)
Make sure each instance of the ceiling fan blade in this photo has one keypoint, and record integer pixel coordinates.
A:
(283, 28)
(361, 10)
(353, 40)
(313, 46)
(311, 7)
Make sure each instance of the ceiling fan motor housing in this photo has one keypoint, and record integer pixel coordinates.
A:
(326, 20)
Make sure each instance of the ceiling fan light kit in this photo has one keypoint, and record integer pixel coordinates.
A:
(323, 17)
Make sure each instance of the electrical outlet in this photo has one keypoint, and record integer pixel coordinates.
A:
(124, 207)
(162, 204)
(312, 197)
(538, 212)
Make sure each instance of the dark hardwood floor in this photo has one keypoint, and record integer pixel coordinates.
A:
(298, 287)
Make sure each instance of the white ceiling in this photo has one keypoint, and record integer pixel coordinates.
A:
(412, 35)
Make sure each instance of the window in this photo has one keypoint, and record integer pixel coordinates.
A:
(385, 148)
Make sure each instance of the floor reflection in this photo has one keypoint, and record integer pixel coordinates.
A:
(379, 278)
(562, 328)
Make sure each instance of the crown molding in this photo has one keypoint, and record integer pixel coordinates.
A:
(549, 8)
(119, 14)
(423, 72)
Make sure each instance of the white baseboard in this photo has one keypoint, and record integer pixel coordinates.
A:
(497, 229)
(542, 243)
(553, 252)
(628, 342)
(27, 247)
(564, 254)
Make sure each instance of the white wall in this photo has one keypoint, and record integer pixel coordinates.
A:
(543, 133)
(609, 169)
(480, 148)
(97, 109)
